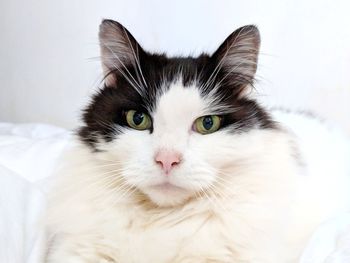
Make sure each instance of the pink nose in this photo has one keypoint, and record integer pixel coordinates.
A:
(167, 159)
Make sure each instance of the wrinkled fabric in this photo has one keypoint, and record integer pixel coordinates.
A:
(28, 156)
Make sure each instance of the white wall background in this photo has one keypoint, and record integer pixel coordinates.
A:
(48, 50)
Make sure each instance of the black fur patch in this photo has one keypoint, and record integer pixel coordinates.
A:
(106, 112)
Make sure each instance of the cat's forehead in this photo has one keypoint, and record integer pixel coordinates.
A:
(161, 72)
(171, 79)
(179, 104)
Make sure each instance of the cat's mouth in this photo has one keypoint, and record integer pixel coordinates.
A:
(167, 187)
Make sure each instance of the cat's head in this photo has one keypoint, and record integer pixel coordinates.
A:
(172, 125)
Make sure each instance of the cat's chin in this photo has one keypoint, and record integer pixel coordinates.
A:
(167, 194)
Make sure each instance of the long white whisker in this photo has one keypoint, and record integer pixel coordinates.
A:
(138, 88)
(137, 59)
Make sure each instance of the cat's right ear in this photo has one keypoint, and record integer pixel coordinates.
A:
(119, 49)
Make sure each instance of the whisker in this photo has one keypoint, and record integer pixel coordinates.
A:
(137, 58)
(138, 88)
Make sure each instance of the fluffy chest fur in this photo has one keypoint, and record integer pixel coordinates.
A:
(245, 222)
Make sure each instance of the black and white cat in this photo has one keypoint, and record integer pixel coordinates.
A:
(176, 162)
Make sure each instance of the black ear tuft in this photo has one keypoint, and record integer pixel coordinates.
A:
(119, 49)
(237, 56)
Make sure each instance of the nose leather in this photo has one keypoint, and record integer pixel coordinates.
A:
(167, 159)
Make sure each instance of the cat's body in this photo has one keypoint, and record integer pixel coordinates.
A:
(175, 192)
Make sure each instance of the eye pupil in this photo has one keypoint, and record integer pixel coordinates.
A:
(138, 118)
(208, 122)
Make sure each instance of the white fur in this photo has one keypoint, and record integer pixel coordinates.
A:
(238, 198)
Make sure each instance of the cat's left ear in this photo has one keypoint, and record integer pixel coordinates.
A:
(237, 56)
(119, 50)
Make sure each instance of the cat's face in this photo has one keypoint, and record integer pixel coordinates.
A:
(173, 126)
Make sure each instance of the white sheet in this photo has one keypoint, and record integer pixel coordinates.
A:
(20, 205)
(330, 242)
(28, 156)
(31, 150)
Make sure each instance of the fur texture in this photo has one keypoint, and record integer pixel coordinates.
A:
(234, 196)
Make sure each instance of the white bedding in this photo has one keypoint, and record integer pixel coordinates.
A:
(28, 156)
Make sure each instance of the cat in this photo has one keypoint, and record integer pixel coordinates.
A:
(177, 162)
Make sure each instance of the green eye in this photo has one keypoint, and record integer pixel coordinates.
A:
(138, 120)
(207, 124)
